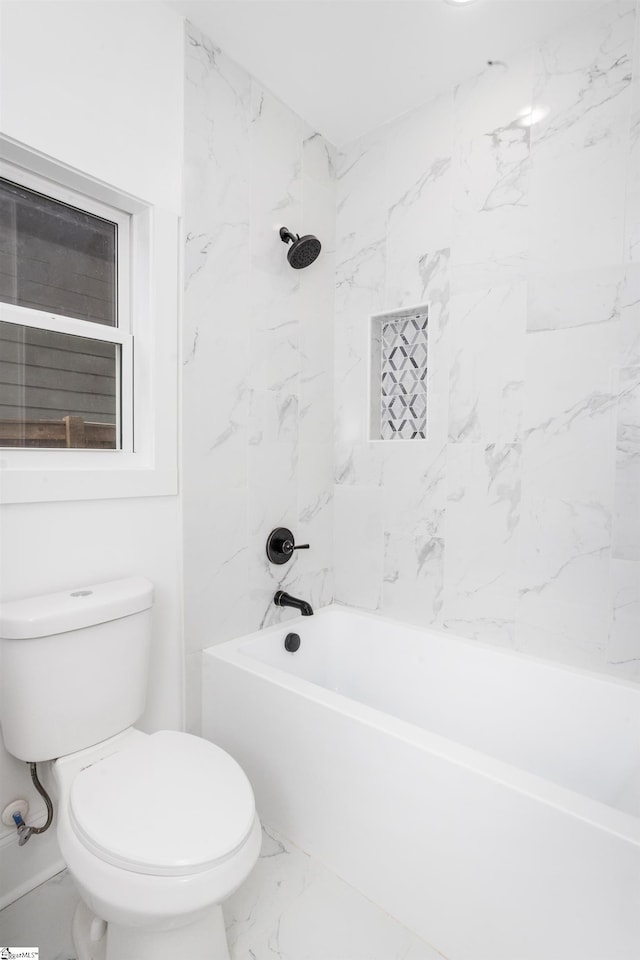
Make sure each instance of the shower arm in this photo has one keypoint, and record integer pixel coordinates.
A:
(286, 236)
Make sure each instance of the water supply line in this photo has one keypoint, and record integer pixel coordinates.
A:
(25, 832)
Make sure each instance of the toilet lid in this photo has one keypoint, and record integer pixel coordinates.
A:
(171, 804)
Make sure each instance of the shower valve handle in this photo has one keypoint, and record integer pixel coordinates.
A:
(281, 544)
(289, 547)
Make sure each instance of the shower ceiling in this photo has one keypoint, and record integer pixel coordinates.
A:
(348, 66)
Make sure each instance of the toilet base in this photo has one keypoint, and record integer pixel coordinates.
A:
(88, 934)
(205, 939)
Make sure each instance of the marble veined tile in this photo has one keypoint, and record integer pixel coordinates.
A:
(273, 483)
(578, 209)
(491, 200)
(319, 210)
(360, 198)
(218, 559)
(491, 195)
(416, 143)
(632, 225)
(217, 115)
(623, 649)
(315, 522)
(319, 158)
(580, 147)
(569, 413)
(290, 908)
(626, 527)
(630, 317)
(491, 176)
(486, 384)
(357, 460)
(575, 298)
(564, 541)
(493, 100)
(482, 540)
(414, 488)
(418, 183)
(217, 310)
(582, 76)
(564, 562)
(413, 577)
(276, 180)
(358, 561)
(351, 376)
(293, 908)
(360, 267)
(215, 380)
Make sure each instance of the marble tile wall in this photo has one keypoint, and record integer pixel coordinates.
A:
(518, 519)
(257, 444)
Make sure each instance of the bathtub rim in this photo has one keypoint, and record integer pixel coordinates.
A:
(441, 632)
(595, 812)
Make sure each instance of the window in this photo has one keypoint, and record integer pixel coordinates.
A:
(87, 273)
(65, 345)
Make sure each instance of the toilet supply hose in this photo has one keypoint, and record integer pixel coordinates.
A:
(25, 832)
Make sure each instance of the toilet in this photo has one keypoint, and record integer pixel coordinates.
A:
(158, 829)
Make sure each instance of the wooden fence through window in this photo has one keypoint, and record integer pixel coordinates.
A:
(69, 432)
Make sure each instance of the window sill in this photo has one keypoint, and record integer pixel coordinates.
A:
(84, 483)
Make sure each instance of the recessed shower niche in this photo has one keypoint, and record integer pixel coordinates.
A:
(398, 375)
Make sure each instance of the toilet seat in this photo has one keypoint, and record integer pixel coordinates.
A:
(171, 804)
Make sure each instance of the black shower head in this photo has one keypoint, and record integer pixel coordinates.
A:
(303, 250)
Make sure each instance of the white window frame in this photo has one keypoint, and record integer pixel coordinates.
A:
(146, 463)
(120, 334)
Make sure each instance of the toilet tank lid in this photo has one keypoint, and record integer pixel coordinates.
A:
(73, 609)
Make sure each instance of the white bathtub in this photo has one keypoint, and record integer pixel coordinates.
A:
(488, 800)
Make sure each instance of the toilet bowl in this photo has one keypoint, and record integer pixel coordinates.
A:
(157, 830)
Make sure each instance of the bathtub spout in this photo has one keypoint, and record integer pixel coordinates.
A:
(283, 599)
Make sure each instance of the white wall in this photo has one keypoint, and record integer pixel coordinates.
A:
(258, 352)
(96, 86)
(518, 520)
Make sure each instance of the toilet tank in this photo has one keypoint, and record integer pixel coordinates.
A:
(73, 667)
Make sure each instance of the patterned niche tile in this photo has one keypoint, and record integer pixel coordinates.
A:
(398, 400)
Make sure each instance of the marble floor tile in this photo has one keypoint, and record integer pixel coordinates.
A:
(42, 918)
(291, 908)
(294, 908)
